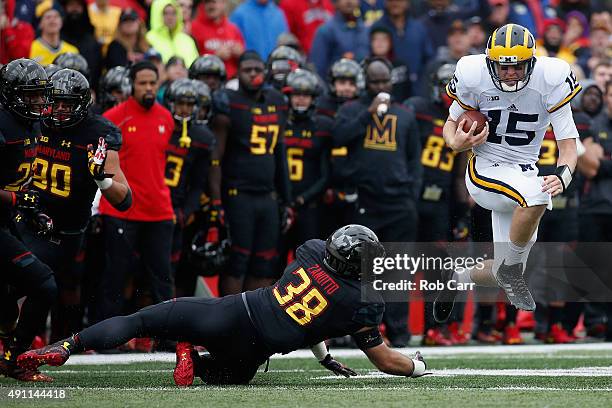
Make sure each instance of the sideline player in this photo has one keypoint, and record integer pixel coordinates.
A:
(521, 96)
(317, 297)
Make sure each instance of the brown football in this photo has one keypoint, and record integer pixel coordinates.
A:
(473, 116)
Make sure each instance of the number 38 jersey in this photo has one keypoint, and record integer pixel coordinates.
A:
(517, 120)
(60, 170)
(308, 304)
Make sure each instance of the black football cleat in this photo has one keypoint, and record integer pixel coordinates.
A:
(55, 355)
(510, 279)
(445, 299)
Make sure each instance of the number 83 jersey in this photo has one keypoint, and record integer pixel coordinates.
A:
(517, 120)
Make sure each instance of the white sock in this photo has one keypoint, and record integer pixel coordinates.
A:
(514, 253)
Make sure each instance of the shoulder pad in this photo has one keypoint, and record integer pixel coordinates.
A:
(555, 70)
(469, 70)
(220, 102)
(111, 133)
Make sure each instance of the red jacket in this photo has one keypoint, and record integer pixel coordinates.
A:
(16, 38)
(145, 135)
(305, 16)
(209, 35)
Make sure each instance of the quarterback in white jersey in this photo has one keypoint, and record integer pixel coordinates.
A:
(521, 96)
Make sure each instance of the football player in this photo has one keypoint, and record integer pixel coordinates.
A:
(308, 144)
(521, 96)
(209, 69)
(187, 156)
(317, 297)
(249, 172)
(76, 156)
(24, 98)
(114, 88)
(281, 61)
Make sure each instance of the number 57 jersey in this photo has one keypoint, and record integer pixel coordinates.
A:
(517, 120)
(308, 304)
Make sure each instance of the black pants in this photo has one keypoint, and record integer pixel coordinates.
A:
(397, 224)
(23, 274)
(123, 240)
(222, 325)
(254, 228)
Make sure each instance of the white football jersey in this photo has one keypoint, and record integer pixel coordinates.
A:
(518, 120)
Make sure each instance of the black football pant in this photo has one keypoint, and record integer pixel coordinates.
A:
(254, 228)
(124, 240)
(59, 252)
(23, 274)
(398, 224)
(222, 325)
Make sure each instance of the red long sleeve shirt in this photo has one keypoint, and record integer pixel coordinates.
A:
(145, 135)
(305, 16)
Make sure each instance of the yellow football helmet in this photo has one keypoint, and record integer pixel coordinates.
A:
(511, 44)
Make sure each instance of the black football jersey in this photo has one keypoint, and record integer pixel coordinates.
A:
(328, 105)
(61, 172)
(308, 143)
(17, 152)
(308, 304)
(187, 166)
(255, 141)
(437, 158)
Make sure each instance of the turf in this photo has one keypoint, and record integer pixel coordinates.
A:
(302, 382)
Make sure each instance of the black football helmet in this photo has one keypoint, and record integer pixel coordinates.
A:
(182, 90)
(344, 249)
(115, 87)
(70, 89)
(345, 68)
(25, 88)
(204, 101)
(281, 61)
(73, 61)
(302, 82)
(208, 65)
(51, 69)
(210, 249)
(439, 79)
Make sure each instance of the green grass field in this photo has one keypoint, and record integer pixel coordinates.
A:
(534, 376)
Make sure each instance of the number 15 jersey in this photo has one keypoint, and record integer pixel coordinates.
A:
(517, 120)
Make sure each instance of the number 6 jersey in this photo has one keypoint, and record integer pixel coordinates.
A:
(517, 120)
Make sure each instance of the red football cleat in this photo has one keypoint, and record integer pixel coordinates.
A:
(512, 335)
(183, 371)
(558, 335)
(456, 334)
(11, 370)
(434, 337)
(38, 342)
(55, 354)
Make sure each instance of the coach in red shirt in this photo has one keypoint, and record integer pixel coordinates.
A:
(146, 228)
(215, 34)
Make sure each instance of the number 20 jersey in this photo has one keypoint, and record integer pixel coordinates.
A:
(308, 304)
(517, 120)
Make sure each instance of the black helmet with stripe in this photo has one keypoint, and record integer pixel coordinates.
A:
(511, 45)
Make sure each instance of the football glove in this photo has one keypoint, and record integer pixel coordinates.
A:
(41, 223)
(287, 218)
(26, 200)
(337, 367)
(96, 158)
(216, 214)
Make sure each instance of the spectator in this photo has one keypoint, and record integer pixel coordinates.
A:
(167, 35)
(175, 69)
(458, 45)
(600, 49)
(215, 34)
(77, 30)
(305, 16)
(577, 32)
(16, 35)
(156, 59)
(49, 45)
(130, 43)
(477, 36)
(146, 228)
(105, 19)
(388, 142)
(344, 36)
(260, 22)
(187, 12)
(442, 13)
(410, 41)
(371, 11)
(381, 45)
(500, 15)
(602, 73)
(551, 44)
(25, 10)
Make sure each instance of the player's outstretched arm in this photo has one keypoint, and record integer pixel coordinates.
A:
(321, 352)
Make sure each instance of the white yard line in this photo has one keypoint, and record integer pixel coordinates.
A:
(442, 352)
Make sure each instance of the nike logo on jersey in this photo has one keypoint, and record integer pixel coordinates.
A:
(512, 108)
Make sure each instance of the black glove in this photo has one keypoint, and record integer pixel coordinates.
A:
(287, 218)
(336, 367)
(216, 214)
(96, 158)
(27, 200)
(40, 223)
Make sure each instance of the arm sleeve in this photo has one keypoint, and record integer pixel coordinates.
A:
(350, 124)
(563, 123)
